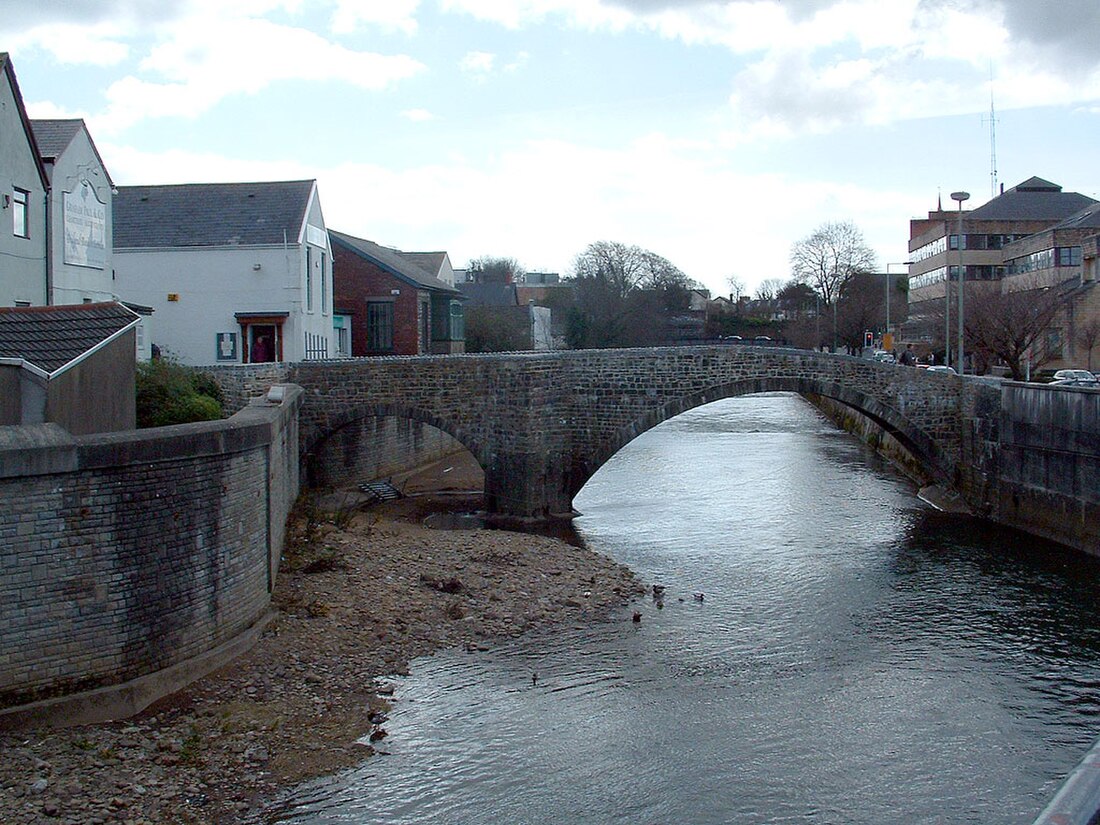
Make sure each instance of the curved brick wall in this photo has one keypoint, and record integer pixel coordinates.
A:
(124, 554)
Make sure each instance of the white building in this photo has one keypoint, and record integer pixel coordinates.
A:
(79, 251)
(236, 272)
(23, 187)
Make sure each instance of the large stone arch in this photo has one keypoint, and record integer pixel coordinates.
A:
(314, 440)
(912, 438)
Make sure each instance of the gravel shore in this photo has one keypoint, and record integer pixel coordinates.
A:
(360, 594)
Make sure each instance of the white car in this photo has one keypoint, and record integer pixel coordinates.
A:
(1082, 376)
(942, 368)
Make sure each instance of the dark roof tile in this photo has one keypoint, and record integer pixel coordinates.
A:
(54, 136)
(393, 261)
(210, 214)
(51, 337)
(1033, 200)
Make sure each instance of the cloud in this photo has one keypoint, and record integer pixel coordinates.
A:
(418, 115)
(203, 64)
(821, 64)
(391, 15)
(477, 63)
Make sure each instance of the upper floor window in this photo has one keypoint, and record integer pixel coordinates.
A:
(309, 278)
(19, 213)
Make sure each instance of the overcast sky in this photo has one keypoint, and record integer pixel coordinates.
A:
(713, 133)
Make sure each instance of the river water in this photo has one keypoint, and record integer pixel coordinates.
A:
(858, 657)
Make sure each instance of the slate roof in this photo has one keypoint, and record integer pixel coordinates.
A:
(395, 262)
(1087, 218)
(1033, 200)
(490, 295)
(210, 214)
(54, 337)
(430, 262)
(54, 136)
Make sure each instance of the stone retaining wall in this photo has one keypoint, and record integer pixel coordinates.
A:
(1049, 463)
(124, 554)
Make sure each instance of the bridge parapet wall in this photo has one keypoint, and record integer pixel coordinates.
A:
(125, 554)
(541, 423)
(618, 394)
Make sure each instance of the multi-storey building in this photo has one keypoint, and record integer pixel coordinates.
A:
(985, 248)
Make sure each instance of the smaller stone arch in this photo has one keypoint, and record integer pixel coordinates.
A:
(321, 466)
(916, 441)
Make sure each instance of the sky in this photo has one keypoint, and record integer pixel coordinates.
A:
(716, 134)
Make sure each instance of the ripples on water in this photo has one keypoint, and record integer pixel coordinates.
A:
(858, 657)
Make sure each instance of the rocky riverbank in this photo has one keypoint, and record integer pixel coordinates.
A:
(360, 594)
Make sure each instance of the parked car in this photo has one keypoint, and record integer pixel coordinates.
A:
(1075, 382)
(884, 356)
(1075, 375)
(942, 368)
(762, 338)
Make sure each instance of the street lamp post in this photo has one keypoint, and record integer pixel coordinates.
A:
(960, 197)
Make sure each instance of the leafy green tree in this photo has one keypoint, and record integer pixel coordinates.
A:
(170, 393)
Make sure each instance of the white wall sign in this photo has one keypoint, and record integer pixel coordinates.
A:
(316, 236)
(85, 218)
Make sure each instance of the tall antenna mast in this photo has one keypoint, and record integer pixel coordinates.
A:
(992, 138)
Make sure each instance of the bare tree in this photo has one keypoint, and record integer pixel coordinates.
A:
(769, 289)
(490, 270)
(1088, 336)
(1011, 326)
(828, 257)
(737, 289)
(621, 294)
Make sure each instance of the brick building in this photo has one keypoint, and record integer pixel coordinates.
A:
(386, 304)
(1032, 236)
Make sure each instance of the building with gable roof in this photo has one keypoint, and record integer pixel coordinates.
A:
(236, 272)
(23, 239)
(69, 365)
(389, 305)
(80, 215)
(436, 264)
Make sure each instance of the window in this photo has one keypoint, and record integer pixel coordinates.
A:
(1068, 256)
(341, 327)
(458, 322)
(19, 213)
(379, 326)
(309, 279)
(324, 287)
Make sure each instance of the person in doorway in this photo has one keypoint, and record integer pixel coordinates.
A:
(261, 350)
(907, 357)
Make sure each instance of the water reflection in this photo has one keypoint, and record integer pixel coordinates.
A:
(859, 657)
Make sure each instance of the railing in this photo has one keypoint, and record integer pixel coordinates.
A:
(1078, 800)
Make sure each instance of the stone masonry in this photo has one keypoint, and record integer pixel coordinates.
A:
(123, 554)
(541, 424)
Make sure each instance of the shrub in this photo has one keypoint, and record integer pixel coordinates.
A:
(170, 393)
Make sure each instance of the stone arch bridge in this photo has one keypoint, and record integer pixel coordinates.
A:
(540, 424)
